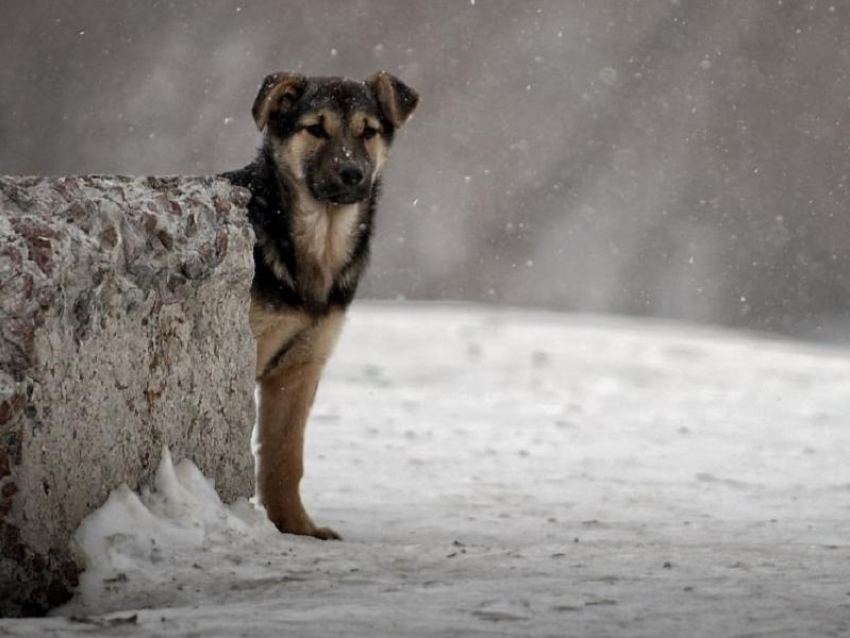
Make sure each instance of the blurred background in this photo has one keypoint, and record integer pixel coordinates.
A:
(671, 158)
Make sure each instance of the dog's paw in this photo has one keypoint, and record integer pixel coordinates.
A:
(325, 534)
(322, 533)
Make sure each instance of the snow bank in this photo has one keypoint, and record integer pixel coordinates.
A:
(138, 539)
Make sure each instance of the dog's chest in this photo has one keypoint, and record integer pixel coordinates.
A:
(324, 238)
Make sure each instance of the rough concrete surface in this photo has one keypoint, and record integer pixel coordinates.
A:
(123, 329)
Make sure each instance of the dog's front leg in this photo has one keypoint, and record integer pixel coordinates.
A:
(291, 353)
(285, 397)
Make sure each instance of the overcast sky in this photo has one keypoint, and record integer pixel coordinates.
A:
(680, 159)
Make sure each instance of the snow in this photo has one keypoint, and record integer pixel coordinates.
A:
(510, 473)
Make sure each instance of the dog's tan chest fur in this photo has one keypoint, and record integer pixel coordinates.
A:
(324, 237)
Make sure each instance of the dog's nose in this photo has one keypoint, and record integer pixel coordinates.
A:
(351, 175)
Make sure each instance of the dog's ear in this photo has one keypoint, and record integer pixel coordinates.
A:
(397, 100)
(277, 93)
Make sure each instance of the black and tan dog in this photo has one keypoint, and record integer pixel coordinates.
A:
(314, 186)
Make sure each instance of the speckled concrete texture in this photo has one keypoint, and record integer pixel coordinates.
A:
(123, 329)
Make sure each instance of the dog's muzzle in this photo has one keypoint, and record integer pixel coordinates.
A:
(348, 184)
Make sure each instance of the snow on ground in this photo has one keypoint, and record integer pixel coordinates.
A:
(506, 473)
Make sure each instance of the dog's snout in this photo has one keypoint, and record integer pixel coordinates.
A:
(351, 175)
(342, 181)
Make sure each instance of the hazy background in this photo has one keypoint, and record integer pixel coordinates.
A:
(676, 158)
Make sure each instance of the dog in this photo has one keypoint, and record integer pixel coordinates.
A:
(314, 186)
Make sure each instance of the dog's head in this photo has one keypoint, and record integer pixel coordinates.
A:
(329, 134)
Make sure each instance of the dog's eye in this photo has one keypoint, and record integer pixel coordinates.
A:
(369, 133)
(316, 130)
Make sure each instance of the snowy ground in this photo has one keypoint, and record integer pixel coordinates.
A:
(514, 474)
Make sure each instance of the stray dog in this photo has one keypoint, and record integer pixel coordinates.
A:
(314, 188)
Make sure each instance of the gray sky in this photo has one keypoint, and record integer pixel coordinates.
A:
(679, 158)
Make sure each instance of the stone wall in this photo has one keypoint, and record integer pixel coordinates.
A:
(123, 329)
